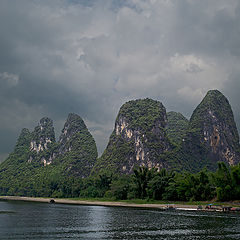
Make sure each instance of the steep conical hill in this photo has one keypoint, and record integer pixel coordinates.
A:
(212, 130)
(20, 152)
(139, 138)
(77, 148)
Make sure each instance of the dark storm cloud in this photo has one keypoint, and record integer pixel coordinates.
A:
(89, 57)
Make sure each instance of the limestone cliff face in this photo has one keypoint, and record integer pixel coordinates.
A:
(42, 138)
(213, 127)
(42, 135)
(138, 139)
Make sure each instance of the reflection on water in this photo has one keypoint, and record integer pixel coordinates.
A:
(21, 220)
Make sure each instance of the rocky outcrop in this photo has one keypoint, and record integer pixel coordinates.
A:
(43, 135)
(213, 130)
(42, 139)
(138, 139)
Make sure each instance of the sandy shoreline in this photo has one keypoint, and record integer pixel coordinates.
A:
(98, 203)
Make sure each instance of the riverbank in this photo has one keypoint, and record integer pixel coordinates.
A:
(136, 203)
(99, 203)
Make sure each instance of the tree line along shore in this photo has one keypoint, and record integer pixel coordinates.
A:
(146, 184)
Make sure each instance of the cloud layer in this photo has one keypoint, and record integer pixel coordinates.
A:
(89, 57)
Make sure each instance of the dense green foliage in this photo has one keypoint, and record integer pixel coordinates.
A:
(176, 127)
(81, 158)
(77, 151)
(114, 155)
(222, 185)
(142, 113)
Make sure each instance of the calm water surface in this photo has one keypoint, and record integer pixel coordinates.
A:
(21, 220)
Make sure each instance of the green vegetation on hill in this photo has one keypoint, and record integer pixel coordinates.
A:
(24, 173)
(115, 155)
(218, 104)
(142, 113)
(81, 158)
(77, 148)
(221, 185)
(176, 127)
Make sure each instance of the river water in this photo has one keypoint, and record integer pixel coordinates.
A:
(22, 220)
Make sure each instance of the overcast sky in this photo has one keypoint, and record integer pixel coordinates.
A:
(89, 57)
